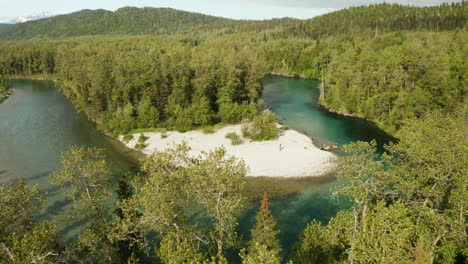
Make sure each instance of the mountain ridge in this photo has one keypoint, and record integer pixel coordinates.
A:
(370, 19)
(132, 21)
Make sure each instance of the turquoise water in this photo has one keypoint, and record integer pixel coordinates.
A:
(37, 123)
(295, 102)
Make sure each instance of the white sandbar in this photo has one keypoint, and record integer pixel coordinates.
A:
(298, 157)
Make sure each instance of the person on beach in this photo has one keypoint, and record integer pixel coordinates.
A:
(280, 147)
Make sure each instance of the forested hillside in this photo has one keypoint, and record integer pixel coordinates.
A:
(134, 21)
(402, 67)
(387, 79)
(4, 26)
(376, 19)
(144, 82)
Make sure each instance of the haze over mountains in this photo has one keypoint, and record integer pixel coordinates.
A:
(4, 26)
(162, 21)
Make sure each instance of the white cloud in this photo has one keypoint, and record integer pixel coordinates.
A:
(26, 17)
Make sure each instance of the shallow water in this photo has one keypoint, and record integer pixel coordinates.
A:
(295, 102)
(37, 123)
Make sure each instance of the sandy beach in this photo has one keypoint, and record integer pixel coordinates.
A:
(297, 158)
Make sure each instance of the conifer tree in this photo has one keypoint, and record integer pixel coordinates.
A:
(420, 255)
(264, 246)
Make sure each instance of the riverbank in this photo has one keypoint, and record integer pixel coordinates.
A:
(4, 93)
(298, 157)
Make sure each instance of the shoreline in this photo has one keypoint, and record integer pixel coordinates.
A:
(53, 78)
(298, 157)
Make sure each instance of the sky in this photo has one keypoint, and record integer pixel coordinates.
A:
(12, 11)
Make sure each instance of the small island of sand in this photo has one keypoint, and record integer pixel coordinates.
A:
(298, 157)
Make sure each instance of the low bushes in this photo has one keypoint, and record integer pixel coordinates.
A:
(141, 142)
(262, 127)
(235, 138)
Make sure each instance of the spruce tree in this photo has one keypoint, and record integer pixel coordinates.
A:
(264, 246)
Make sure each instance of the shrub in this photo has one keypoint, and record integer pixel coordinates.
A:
(262, 127)
(141, 142)
(234, 137)
(142, 138)
(245, 130)
(140, 146)
(127, 137)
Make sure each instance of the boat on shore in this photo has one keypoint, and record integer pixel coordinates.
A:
(329, 147)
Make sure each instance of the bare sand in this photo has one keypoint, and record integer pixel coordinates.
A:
(297, 158)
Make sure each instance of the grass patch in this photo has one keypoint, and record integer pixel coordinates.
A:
(141, 142)
(145, 130)
(127, 138)
(208, 130)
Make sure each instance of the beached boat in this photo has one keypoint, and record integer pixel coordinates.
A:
(329, 147)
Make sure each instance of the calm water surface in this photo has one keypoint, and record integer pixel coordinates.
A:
(295, 101)
(37, 123)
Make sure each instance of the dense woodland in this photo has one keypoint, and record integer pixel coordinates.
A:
(405, 70)
(182, 82)
(409, 206)
(136, 21)
(4, 26)
(376, 19)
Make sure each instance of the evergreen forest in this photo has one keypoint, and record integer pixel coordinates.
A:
(404, 68)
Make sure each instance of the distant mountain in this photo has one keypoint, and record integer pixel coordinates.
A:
(4, 26)
(381, 18)
(133, 21)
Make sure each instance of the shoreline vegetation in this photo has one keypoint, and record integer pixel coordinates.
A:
(290, 155)
(276, 74)
(4, 93)
(401, 67)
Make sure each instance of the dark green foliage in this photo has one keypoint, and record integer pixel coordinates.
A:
(145, 82)
(391, 64)
(147, 114)
(381, 18)
(127, 137)
(3, 90)
(262, 127)
(87, 176)
(212, 183)
(142, 138)
(134, 21)
(325, 244)
(182, 82)
(141, 142)
(388, 79)
(264, 246)
(411, 200)
(22, 239)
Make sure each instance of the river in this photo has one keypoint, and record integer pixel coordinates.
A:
(37, 123)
